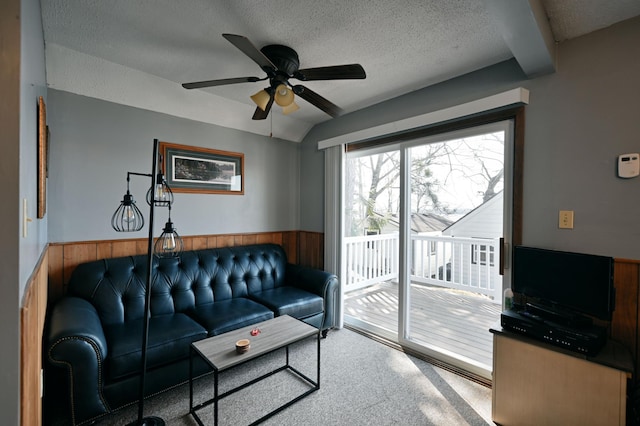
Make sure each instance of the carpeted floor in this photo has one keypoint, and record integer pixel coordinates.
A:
(362, 382)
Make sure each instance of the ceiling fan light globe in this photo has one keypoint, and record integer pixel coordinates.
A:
(261, 99)
(284, 96)
(286, 110)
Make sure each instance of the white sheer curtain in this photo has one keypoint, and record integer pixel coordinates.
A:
(333, 162)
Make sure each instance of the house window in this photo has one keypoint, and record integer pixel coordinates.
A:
(480, 253)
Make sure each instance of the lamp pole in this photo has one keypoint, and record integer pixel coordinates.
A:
(148, 421)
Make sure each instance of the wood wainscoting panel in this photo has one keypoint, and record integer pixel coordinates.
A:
(75, 254)
(305, 248)
(249, 239)
(626, 316)
(199, 243)
(311, 249)
(56, 272)
(271, 237)
(32, 318)
(125, 248)
(290, 243)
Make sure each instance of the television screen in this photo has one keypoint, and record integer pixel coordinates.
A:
(565, 281)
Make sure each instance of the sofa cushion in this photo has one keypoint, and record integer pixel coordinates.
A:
(226, 315)
(170, 337)
(290, 301)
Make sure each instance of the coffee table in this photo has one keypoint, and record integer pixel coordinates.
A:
(220, 353)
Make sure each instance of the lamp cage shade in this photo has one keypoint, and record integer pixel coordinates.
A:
(169, 244)
(127, 217)
(163, 196)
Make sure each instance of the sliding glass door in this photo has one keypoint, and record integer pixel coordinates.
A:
(425, 221)
(372, 240)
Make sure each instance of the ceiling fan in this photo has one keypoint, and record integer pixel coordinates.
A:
(281, 63)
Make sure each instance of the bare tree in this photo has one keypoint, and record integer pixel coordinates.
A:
(384, 173)
(483, 166)
(462, 158)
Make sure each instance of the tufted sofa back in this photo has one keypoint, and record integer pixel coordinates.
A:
(116, 287)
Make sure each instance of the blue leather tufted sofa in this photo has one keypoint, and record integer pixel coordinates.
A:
(94, 333)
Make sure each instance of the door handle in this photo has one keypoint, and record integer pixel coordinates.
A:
(502, 249)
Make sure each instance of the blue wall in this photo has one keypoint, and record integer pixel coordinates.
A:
(94, 143)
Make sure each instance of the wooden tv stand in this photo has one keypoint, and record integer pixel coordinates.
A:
(535, 383)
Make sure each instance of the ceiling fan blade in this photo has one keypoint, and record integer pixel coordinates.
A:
(336, 72)
(245, 45)
(221, 82)
(317, 100)
(259, 114)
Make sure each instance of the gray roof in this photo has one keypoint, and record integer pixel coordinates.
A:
(422, 222)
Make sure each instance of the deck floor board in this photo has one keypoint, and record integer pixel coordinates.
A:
(453, 320)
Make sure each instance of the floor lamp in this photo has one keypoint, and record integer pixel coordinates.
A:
(129, 218)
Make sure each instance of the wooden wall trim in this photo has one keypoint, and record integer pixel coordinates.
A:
(32, 318)
(302, 247)
(625, 324)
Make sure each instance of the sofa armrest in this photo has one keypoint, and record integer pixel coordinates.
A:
(76, 342)
(322, 283)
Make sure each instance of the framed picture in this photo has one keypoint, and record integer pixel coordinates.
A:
(43, 149)
(203, 170)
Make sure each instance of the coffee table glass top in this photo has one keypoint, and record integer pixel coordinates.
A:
(220, 351)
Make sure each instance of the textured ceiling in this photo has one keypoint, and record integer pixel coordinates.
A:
(138, 52)
(573, 18)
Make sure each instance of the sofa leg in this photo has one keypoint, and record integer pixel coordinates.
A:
(324, 333)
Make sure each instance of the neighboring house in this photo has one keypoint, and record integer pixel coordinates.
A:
(424, 253)
(421, 223)
(476, 265)
(485, 221)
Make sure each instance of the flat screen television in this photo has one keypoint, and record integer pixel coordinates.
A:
(565, 281)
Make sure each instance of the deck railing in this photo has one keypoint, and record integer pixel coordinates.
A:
(371, 259)
(469, 264)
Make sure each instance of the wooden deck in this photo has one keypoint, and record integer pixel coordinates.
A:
(455, 321)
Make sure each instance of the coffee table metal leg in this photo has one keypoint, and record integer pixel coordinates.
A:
(287, 352)
(191, 380)
(192, 409)
(318, 375)
(215, 397)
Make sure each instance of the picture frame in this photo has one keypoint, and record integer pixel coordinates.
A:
(43, 149)
(194, 169)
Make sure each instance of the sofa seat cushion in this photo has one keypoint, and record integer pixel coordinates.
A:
(169, 341)
(231, 314)
(290, 301)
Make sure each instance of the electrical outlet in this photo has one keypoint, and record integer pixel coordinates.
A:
(565, 220)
